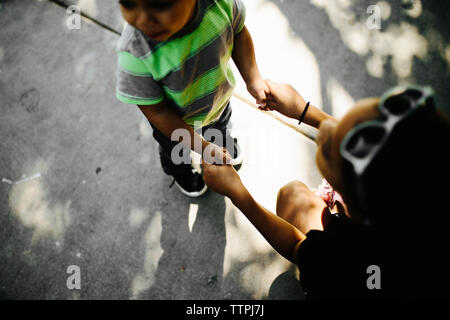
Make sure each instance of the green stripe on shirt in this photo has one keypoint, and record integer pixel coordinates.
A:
(137, 100)
(205, 84)
(132, 65)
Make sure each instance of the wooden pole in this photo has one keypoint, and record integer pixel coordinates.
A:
(286, 123)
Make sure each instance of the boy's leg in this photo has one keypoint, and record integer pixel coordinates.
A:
(227, 141)
(166, 146)
(224, 126)
(188, 181)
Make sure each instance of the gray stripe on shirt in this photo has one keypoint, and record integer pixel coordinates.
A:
(205, 60)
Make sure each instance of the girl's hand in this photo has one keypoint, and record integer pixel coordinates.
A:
(213, 154)
(285, 99)
(222, 179)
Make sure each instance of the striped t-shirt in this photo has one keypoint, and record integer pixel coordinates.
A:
(190, 70)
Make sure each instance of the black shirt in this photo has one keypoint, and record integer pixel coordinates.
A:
(348, 260)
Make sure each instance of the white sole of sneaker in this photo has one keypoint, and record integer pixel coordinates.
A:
(193, 194)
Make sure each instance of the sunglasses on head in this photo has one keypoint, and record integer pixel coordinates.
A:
(365, 141)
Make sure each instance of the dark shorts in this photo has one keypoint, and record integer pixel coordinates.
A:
(166, 144)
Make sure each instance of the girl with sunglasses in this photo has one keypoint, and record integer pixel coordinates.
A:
(387, 237)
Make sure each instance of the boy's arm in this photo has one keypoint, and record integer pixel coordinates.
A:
(244, 57)
(167, 121)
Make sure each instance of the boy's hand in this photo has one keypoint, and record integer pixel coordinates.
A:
(213, 154)
(284, 99)
(259, 90)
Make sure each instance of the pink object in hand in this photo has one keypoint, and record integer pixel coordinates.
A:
(326, 192)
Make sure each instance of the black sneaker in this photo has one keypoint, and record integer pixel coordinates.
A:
(237, 155)
(190, 183)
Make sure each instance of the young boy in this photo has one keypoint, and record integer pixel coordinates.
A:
(173, 64)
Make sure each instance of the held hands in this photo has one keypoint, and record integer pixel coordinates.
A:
(284, 99)
(259, 90)
(222, 179)
(213, 154)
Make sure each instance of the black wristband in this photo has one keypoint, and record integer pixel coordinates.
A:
(303, 113)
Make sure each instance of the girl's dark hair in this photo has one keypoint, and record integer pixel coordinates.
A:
(407, 191)
(408, 183)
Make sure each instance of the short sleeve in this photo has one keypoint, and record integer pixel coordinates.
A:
(238, 16)
(135, 84)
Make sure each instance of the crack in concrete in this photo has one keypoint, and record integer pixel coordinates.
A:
(95, 21)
